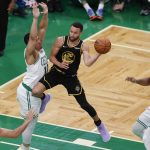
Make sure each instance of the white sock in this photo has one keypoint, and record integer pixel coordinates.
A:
(86, 6)
(101, 5)
(24, 147)
(146, 138)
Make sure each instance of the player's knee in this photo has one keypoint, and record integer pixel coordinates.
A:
(34, 91)
(38, 89)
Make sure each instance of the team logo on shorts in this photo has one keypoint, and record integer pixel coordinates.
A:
(68, 57)
(77, 88)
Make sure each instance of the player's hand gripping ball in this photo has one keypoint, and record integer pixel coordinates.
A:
(102, 46)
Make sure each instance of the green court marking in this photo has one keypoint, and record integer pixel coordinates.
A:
(53, 137)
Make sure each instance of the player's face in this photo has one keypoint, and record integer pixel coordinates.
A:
(74, 33)
(38, 45)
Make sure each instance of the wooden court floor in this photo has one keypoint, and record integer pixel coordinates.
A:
(117, 102)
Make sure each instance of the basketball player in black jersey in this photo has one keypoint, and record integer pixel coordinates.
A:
(65, 56)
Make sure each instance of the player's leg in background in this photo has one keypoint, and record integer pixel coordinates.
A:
(27, 101)
(88, 9)
(100, 8)
(27, 135)
(81, 99)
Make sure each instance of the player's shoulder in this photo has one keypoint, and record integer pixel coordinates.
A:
(60, 40)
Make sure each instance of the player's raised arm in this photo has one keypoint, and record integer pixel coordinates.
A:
(33, 31)
(44, 21)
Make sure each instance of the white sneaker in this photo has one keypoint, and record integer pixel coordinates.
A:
(23, 149)
(19, 148)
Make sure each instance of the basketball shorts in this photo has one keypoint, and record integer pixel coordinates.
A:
(144, 118)
(27, 101)
(54, 78)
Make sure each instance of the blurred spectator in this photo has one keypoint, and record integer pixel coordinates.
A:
(5, 7)
(39, 1)
(90, 12)
(20, 11)
(145, 7)
(119, 5)
(55, 5)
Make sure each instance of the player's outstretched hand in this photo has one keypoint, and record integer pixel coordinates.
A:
(64, 65)
(30, 115)
(44, 7)
(35, 10)
(131, 79)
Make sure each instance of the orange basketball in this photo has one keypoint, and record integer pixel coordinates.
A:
(102, 46)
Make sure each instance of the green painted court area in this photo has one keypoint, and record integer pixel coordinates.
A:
(54, 137)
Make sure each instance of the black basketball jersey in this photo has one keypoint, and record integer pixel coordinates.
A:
(72, 55)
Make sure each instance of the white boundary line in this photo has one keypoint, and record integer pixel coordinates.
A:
(7, 143)
(5, 84)
(65, 141)
(75, 128)
(84, 40)
(126, 46)
(106, 28)
(101, 31)
(131, 29)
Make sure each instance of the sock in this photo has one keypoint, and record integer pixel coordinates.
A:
(89, 10)
(101, 5)
(43, 96)
(24, 147)
(86, 6)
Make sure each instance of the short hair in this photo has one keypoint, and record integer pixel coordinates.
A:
(78, 25)
(26, 38)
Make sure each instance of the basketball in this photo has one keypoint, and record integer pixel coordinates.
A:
(102, 46)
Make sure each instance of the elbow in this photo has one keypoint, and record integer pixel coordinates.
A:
(51, 59)
(88, 64)
(15, 134)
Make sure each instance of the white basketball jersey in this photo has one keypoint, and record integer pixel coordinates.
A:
(37, 70)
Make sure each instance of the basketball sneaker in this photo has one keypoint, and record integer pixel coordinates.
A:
(44, 102)
(103, 132)
(19, 148)
(92, 18)
(23, 147)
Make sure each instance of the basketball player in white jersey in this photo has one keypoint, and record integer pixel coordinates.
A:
(37, 66)
(141, 128)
